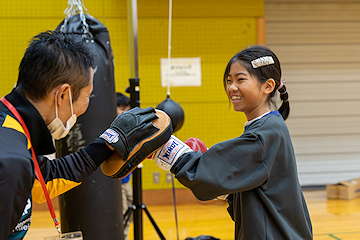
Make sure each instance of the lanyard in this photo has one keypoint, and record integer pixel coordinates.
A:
(37, 168)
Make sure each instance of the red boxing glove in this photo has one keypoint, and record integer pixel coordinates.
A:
(196, 145)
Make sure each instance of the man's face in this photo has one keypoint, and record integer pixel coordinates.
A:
(82, 103)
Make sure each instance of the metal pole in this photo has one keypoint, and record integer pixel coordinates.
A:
(133, 37)
(135, 102)
(137, 207)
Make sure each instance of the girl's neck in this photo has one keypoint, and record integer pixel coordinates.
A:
(259, 111)
(256, 118)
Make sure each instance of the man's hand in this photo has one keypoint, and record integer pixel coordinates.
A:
(129, 128)
(134, 135)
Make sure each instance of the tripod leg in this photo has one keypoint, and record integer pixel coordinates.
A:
(153, 223)
(128, 213)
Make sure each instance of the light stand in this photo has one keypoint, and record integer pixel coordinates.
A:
(134, 91)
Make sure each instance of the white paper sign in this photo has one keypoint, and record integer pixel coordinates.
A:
(182, 72)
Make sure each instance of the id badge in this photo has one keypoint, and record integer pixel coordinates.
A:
(72, 235)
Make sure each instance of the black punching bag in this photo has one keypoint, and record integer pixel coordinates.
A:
(95, 206)
(175, 112)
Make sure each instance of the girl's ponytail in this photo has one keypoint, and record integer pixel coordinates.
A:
(284, 109)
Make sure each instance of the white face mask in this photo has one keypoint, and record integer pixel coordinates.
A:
(56, 127)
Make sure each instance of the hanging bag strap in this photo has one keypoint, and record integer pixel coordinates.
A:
(76, 7)
(37, 167)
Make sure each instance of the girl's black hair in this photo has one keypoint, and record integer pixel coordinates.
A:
(262, 73)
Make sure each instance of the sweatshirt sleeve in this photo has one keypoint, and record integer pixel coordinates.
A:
(228, 167)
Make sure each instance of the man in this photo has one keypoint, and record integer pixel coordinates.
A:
(54, 85)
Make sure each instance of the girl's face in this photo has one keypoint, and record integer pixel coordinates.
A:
(246, 93)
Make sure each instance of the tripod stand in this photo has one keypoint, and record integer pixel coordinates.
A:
(137, 207)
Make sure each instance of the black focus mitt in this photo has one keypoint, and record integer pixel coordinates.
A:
(134, 135)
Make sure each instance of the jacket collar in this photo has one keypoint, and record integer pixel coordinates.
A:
(40, 135)
(267, 114)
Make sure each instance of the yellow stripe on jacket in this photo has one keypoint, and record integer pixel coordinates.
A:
(55, 188)
(11, 123)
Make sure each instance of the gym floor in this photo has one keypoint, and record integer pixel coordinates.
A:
(331, 219)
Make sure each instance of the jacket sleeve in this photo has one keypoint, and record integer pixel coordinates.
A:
(67, 172)
(228, 167)
(62, 174)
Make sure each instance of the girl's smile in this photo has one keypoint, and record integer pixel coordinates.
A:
(235, 99)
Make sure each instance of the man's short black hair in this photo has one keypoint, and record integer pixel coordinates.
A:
(54, 58)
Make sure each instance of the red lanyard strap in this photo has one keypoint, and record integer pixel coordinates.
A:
(37, 168)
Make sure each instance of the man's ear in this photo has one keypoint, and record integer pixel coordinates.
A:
(269, 86)
(63, 94)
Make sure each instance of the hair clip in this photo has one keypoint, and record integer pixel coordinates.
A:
(281, 84)
(262, 61)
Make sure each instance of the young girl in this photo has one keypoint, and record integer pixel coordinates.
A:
(258, 169)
